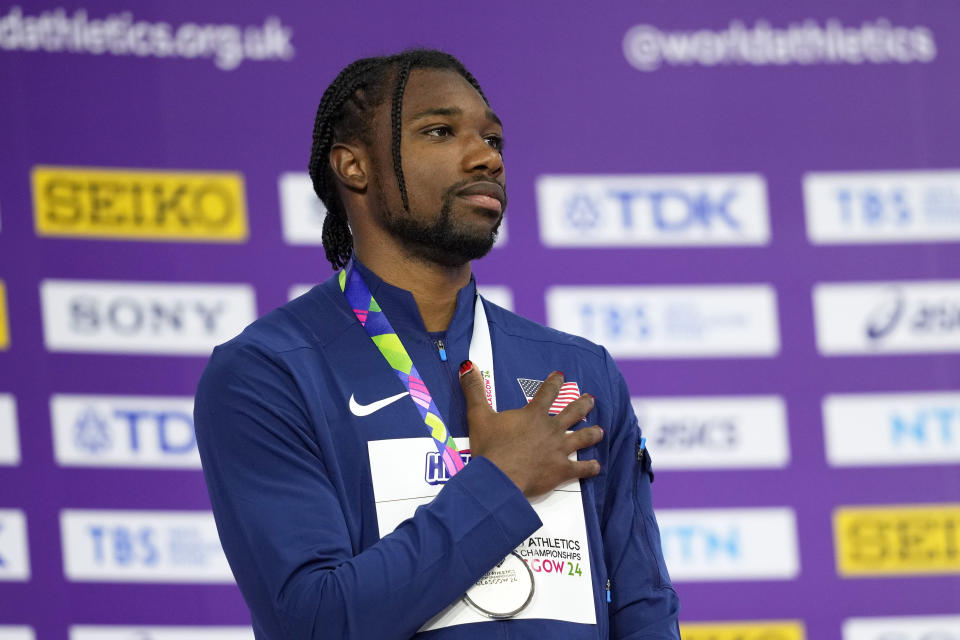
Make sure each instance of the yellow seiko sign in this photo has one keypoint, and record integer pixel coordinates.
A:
(896, 540)
(139, 205)
(4, 331)
(752, 630)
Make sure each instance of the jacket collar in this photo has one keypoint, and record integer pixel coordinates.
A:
(401, 308)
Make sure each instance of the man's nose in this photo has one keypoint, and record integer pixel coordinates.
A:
(480, 156)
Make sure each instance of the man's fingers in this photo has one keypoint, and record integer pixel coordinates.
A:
(547, 393)
(584, 469)
(473, 392)
(583, 438)
(576, 411)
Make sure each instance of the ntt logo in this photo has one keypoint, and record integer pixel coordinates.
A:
(647, 48)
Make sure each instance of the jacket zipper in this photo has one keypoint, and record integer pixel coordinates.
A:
(441, 349)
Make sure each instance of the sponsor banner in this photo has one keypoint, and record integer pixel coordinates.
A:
(143, 317)
(653, 210)
(713, 432)
(730, 544)
(891, 428)
(302, 212)
(648, 48)
(902, 628)
(9, 435)
(89, 632)
(139, 205)
(4, 324)
(124, 431)
(13, 632)
(671, 322)
(882, 206)
(870, 318)
(142, 546)
(897, 539)
(14, 554)
(747, 630)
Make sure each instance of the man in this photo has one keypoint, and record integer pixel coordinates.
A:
(333, 430)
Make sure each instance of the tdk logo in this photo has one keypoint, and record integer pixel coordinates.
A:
(124, 431)
(128, 317)
(435, 472)
(670, 210)
(721, 209)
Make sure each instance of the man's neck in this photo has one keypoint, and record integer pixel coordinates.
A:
(434, 287)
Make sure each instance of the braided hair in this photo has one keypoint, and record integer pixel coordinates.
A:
(345, 114)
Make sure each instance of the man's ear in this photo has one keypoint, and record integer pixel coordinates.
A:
(349, 163)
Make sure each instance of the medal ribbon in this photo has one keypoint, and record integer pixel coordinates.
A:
(381, 332)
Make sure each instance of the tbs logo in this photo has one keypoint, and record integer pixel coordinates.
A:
(435, 472)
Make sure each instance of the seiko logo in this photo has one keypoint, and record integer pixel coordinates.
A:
(139, 205)
(652, 210)
(434, 471)
(142, 317)
(4, 330)
(905, 539)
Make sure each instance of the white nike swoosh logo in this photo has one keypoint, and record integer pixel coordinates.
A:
(361, 410)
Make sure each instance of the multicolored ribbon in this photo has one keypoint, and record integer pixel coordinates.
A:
(378, 327)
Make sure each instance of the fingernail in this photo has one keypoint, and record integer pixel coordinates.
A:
(465, 367)
(592, 397)
(561, 373)
(603, 432)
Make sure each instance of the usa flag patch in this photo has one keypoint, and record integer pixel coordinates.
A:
(569, 391)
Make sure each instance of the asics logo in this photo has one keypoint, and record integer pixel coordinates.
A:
(361, 410)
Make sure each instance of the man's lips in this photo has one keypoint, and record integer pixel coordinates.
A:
(488, 195)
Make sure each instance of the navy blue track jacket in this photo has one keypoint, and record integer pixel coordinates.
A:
(286, 463)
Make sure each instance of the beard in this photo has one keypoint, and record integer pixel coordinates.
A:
(443, 240)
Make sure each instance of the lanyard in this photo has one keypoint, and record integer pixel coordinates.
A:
(381, 332)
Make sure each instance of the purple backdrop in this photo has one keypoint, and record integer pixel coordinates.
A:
(571, 104)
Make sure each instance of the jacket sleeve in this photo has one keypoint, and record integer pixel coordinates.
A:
(644, 605)
(285, 532)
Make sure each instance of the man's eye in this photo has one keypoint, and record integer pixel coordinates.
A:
(496, 142)
(439, 132)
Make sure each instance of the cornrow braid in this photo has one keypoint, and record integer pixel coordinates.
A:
(395, 110)
(345, 114)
